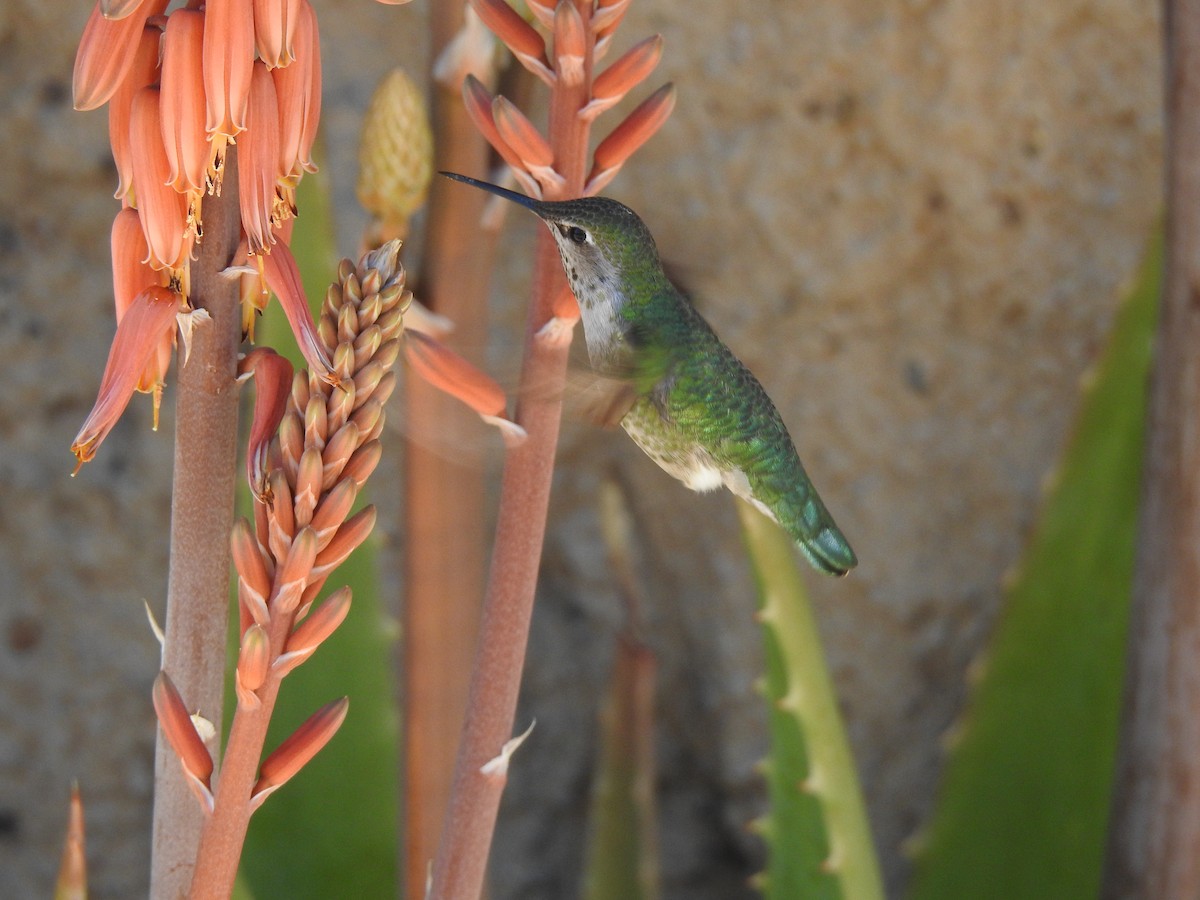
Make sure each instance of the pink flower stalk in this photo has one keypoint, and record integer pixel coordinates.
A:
(552, 166)
(305, 483)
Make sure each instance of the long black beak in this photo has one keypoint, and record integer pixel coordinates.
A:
(527, 202)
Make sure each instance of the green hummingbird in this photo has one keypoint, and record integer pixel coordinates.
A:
(691, 405)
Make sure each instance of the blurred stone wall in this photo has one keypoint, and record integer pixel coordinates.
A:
(911, 219)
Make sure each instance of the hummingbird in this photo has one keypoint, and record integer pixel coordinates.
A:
(689, 402)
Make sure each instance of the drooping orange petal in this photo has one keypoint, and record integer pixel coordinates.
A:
(299, 92)
(183, 106)
(295, 752)
(143, 71)
(131, 275)
(272, 387)
(106, 52)
(150, 316)
(163, 210)
(274, 27)
(447, 371)
(258, 160)
(639, 126)
(521, 38)
(228, 62)
(131, 272)
(283, 277)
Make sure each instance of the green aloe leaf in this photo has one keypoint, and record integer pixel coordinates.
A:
(817, 832)
(1024, 804)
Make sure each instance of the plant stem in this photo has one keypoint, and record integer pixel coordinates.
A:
(221, 846)
(461, 862)
(1155, 826)
(444, 516)
(201, 519)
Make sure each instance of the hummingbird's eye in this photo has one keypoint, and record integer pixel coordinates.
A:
(576, 234)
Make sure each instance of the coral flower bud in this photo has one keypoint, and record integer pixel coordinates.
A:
(107, 52)
(163, 210)
(520, 37)
(142, 72)
(180, 730)
(570, 43)
(274, 27)
(140, 332)
(638, 127)
(623, 75)
(258, 160)
(183, 105)
(478, 100)
(353, 532)
(228, 62)
(522, 135)
(254, 658)
(295, 752)
(321, 622)
(298, 87)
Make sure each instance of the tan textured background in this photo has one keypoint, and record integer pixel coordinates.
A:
(910, 218)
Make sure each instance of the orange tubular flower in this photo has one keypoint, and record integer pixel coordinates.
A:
(447, 371)
(183, 107)
(131, 272)
(150, 316)
(228, 61)
(283, 277)
(107, 52)
(298, 88)
(274, 30)
(258, 161)
(163, 210)
(272, 387)
(143, 72)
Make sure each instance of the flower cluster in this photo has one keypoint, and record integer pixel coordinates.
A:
(567, 62)
(313, 444)
(181, 88)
